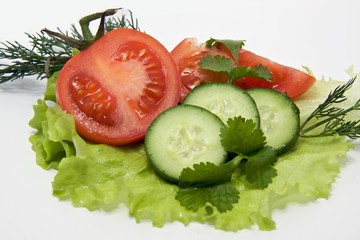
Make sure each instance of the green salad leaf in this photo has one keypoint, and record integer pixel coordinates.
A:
(50, 87)
(53, 140)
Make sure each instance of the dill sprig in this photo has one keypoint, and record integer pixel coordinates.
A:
(122, 22)
(331, 117)
(24, 61)
(48, 53)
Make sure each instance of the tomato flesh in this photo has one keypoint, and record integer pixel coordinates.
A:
(187, 55)
(147, 73)
(90, 97)
(116, 87)
(286, 79)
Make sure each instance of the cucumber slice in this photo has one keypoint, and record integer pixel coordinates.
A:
(224, 100)
(181, 137)
(279, 118)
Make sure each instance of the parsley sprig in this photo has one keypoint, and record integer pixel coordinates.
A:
(330, 118)
(230, 66)
(207, 183)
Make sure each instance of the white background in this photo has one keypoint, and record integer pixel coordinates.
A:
(323, 35)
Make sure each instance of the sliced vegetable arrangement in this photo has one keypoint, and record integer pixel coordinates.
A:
(223, 128)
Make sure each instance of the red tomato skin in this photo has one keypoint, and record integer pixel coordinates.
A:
(116, 87)
(187, 55)
(286, 79)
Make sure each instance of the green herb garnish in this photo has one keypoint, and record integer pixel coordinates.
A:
(259, 168)
(101, 177)
(255, 158)
(225, 65)
(232, 45)
(241, 136)
(330, 118)
(207, 183)
(24, 61)
(221, 196)
(48, 53)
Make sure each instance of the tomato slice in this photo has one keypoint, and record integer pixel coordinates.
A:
(187, 55)
(116, 87)
(286, 79)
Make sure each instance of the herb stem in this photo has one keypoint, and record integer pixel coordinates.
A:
(328, 119)
(48, 53)
(332, 117)
(85, 22)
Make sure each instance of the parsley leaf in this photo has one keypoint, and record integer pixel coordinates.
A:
(216, 63)
(261, 72)
(208, 184)
(221, 196)
(232, 45)
(241, 136)
(227, 66)
(205, 174)
(259, 168)
(224, 65)
(257, 72)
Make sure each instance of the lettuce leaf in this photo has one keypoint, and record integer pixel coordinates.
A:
(101, 177)
(53, 140)
(318, 93)
(49, 93)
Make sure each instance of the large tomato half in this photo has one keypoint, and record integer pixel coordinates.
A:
(116, 87)
(286, 79)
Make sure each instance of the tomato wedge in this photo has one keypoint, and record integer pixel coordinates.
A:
(187, 55)
(116, 87)
(286, 79)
